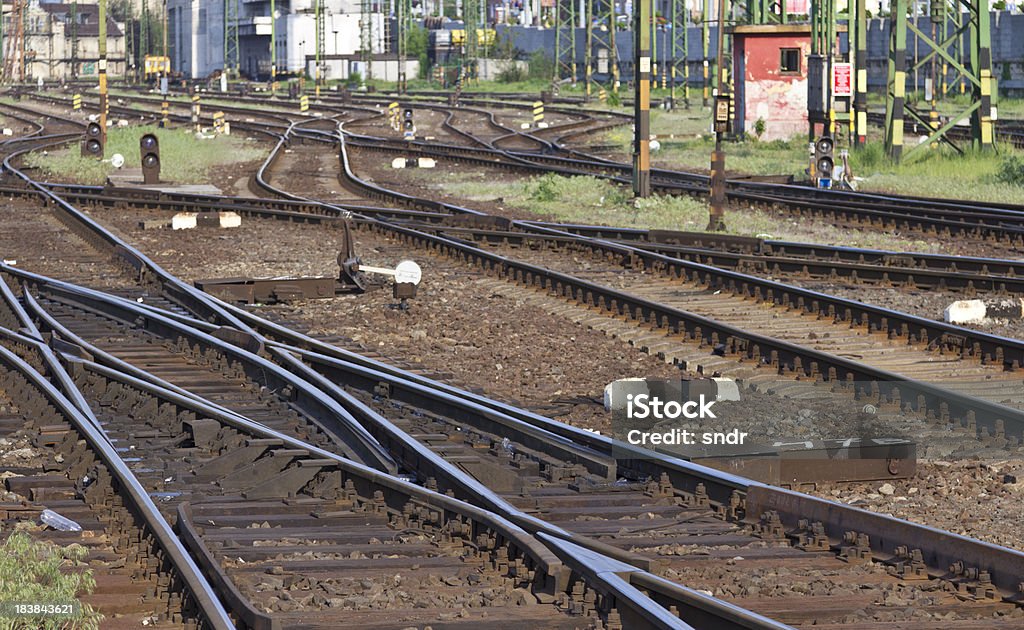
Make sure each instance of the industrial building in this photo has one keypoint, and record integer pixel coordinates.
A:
(197, 49)
(58, 42)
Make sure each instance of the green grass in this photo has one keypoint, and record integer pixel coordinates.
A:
(591, 200)
(940, 173)
(35, 572)
(185, 159)
(686, 144)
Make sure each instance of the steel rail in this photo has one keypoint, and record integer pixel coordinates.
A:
(832, 513)
(204, 596)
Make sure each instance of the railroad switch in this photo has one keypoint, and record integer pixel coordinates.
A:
(352, 278)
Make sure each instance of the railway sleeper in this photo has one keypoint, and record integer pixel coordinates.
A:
(88, 479)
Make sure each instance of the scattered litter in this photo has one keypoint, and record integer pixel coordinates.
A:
(56, 521)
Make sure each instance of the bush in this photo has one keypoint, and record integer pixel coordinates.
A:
(759, 127)
(511, 73)
(544, 188)
(30, 571)
(1011, 170)
(541, 66)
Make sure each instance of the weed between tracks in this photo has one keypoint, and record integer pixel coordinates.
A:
(185, 159)
(596, 201)
(31, 573)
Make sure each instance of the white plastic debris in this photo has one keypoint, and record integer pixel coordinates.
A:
(58, 522)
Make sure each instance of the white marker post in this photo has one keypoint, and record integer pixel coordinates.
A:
(407, 275)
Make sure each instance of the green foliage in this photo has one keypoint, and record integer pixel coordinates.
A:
(582, 191)
(30, 572)
(512, 72)
(418, 42)
(1011, 170)
(541, 65)
(184, 158)
(868, 158)
(759, 127)
(543, 188)
(614, 100)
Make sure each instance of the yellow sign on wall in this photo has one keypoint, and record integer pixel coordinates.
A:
(484, 37)
(156, 64)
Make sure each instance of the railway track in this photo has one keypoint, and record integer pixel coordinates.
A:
(688, 503)
(934, 217)
(143, 573)
(585, 588)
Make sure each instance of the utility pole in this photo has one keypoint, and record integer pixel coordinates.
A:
(366, 40)
(144, 45)
(320, 44)
(103, 72)
(860, 65)
(642, 101)
(129, 40)
(231, 54)
(716, 218)
(403, 16)
(74, 39)
(165, 119)
(705, 37)
(273, 49)
(680, 20)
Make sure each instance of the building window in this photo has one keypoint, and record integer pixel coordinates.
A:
(201, 30)
(789, 60)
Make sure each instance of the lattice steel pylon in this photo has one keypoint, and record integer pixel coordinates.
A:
(366, 38)
(973, 67)
(565, 40)
(823, 51)
(679, 19)
(767, 12)
(403, 10)
(471, 18)
(600, 18)
(231, 51)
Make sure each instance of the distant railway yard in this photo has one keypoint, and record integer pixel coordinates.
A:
(374, 361)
